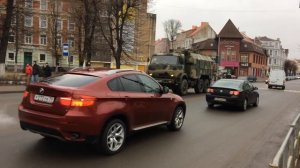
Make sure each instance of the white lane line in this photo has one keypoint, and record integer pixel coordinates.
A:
(291, 91)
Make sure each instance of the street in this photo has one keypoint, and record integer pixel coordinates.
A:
(221, 137)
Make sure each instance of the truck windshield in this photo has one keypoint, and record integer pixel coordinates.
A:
(166, 59)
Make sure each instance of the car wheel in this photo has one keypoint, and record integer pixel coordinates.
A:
(256, 102)
(283, 87)
(183, 87)
(269, 86)
(244, 105)
(199, 86)
(177, 119)
(206, 85)
(210, 105)
(113, 137)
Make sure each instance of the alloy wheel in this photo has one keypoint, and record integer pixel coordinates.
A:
(115, 137)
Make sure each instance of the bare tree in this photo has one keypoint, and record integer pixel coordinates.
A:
(6, 26)
(290, 67)
(85, 17)
(116, 23)
(171, 28)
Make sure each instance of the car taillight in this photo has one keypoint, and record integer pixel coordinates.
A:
(79, 101)
(209, 90)
(234, 93)
(25, 94)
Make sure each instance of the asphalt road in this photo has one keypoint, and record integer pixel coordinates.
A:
(221, 137)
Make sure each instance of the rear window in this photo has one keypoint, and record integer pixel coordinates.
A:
(231, 84)
(71, 80)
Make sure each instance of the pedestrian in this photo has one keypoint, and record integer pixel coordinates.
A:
(47, 71)
(28, 71)
(35, 72)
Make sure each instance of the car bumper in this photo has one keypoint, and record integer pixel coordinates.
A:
(73, 126)
(234, 100)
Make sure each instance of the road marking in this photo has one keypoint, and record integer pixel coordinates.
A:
(291, 91)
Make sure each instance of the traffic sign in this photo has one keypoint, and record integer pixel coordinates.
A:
(66, 50)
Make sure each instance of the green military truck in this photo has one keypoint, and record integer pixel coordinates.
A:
(181, 71)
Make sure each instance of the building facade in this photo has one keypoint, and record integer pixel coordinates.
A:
(278, 55)
(162, 45)
(41, 28)
(185, 39)
(234, 52)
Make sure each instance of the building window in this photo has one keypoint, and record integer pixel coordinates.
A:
(58, 40)
(28, 39)
(42, 58)
(28, 21)
(244, 58)
(271, 52)
(43, 5)
(270, 61)
(43, 39)
(28, 3)
(59, 25)
(71, 26)
(11, 38)
(233, 55)
(11, 56)
(43, 21)
(276, 53)
(71, 42)
(71, 59)
(275, 61)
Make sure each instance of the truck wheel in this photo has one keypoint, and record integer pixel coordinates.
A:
(183, 87)
(206, 85)
(199, 86)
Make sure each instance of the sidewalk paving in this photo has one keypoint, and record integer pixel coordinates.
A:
(12, 89)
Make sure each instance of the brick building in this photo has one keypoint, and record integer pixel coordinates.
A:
(235, 52)
(45, 25)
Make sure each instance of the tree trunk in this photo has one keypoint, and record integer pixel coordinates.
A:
(5, 34)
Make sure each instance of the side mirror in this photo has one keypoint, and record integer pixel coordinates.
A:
(165, 90)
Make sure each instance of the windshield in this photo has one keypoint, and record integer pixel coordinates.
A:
(166, 59)
(230, 84)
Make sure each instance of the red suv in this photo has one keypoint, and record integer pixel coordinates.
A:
(99, 106)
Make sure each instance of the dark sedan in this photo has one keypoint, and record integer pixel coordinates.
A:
(233, 92)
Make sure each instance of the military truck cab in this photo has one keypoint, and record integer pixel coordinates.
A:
(180, 71)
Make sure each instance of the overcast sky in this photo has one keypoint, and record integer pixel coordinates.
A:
(271, 18)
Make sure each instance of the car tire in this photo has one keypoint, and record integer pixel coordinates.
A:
(177, 119)
(210, 105)
(113, 137)
(206, 85)
(283, 87)
(269, 86)
(256, 102)
(244, 105)
(183, 87)
(199, 86)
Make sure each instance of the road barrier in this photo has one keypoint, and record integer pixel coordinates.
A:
(289, 151)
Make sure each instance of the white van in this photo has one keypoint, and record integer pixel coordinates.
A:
(277, 79)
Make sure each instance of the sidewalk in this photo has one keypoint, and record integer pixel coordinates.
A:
(12, 89)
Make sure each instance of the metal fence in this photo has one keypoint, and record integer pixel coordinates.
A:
(288, 154)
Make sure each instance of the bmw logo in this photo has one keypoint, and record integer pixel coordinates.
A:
(42, 90)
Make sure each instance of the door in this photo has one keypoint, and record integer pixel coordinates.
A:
(27, 58)
(160, 106)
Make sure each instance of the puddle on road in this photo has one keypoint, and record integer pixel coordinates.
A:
(6, 120)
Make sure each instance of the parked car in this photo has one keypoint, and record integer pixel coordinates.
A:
(234, 92)
(248, 78)
(99, 107)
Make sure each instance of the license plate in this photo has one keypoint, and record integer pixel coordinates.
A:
(220, 99)
(44, 99)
